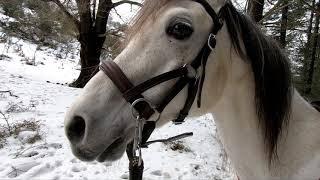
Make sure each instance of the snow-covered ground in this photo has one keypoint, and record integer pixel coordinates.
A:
(40, 98)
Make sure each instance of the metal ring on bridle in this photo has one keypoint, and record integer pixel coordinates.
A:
(209, 39)
(136, 115)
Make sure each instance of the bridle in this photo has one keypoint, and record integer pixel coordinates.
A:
(189, 75)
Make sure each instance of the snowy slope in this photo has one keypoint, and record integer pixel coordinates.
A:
(51, 157)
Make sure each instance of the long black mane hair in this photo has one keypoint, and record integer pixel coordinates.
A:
(272, 75)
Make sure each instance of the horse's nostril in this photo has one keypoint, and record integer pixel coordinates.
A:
(76, 129)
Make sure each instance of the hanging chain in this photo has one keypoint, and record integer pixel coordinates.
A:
(137, 139)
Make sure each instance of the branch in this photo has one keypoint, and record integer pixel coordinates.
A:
(273, 10)
(10, 93)
(113, 32)
(66, 12)
(270, 2)
(310, 7)
(174, 138)
(126, 2)
(5, 118)
(116, 35)
(115, 10)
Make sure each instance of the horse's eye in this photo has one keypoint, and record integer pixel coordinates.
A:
(180, 30)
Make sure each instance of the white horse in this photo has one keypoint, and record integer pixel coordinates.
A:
(268, 130)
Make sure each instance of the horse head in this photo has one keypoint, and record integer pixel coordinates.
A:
(164, 36)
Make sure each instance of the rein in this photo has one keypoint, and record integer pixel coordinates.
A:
(191, 75)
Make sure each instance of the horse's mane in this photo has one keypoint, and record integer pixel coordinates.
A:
(271, 69)
(272, 75)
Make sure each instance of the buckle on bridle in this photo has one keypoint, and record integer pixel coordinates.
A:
(136, 115)
(212, 41)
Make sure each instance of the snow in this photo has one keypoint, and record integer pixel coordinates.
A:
(25, 136)
(39, 98)
(6, 18)
(48, 67)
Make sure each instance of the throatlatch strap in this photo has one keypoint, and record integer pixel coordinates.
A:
(174, 91)
(192, 93)
(148, 129)
(204, 59)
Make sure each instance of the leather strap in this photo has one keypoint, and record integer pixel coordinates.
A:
(137, 90)
(173, 92)
(217, 22)
(192, 93)
(118, 77)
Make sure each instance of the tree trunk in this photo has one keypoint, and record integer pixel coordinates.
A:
(313, 55)
(306, 51)
(89, 59)
(309, 30)
(92, 37)
(284, 24)
(255, 9)
(92, 28)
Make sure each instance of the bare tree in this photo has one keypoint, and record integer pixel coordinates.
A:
(313, 53)
(307, 46)
(284, 24)
(91, 23)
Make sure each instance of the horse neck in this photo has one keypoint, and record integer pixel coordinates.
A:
(234, 113)
(239, 130)
(229, 93)
(242, 135)
(299, 147)
(233, 107)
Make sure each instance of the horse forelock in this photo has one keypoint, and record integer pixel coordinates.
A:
(272, 76)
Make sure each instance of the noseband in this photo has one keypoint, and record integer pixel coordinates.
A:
(191, 75)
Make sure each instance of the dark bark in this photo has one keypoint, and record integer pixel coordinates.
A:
(309, 30)
(284, 24)
(313, 54)
(89, 59)
(92, 37)
(92, 33)
(306, 51)
(255, 9)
